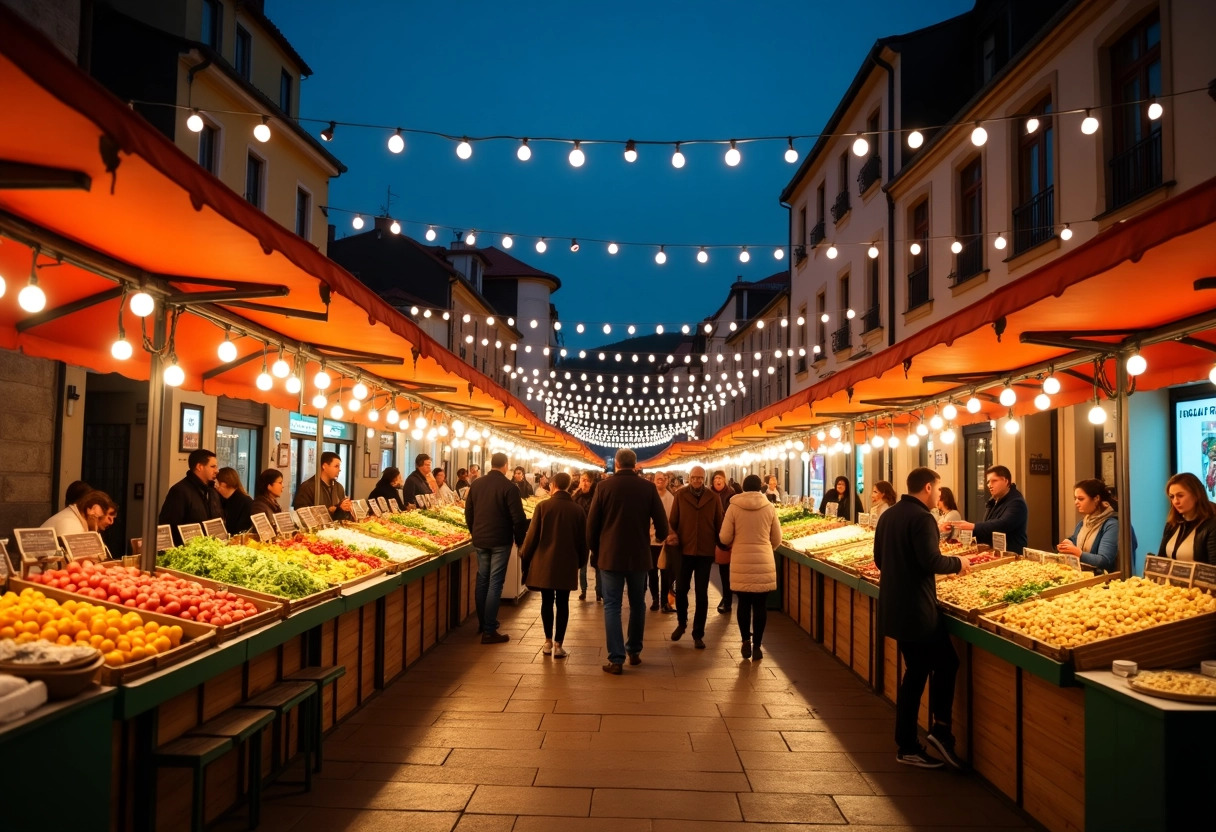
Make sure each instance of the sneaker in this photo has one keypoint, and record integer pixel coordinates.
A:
(757, 653)
(943, 743)
(634, 659)
(678, 632)
(548, 648)
(613, 668)
(698, 643)
(559, 652)
(494, 638)
(747, 649)
(919, 758)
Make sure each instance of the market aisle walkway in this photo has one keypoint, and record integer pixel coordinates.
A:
(504, 739)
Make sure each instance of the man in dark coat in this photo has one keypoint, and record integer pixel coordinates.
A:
(193, 498)
(416, 483)
(618, 532)
(521, 482)
(494, 513)
(906, 550)
(696, 519)
(553, 551)
(1006, 512)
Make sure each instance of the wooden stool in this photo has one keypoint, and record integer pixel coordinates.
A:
(281, 699)
(320, 676)
(195, 753)
(239, 725)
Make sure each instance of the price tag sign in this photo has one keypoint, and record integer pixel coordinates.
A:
(34, 544)
(420, 500)
(375, 506)
(1205, 576)
(393, 506)
(164, 538)
(87, 545)
(304, 515)
(1157, 569)
(1033, 554)
(383, 504)
(284, 523)
(321, 517)
(1073, 562)
(863, 519)
(261, 525)
(360, 508)
(831, 509)
(999, 542)
(215, 528)
(190, 531)
(1182, 572)
(965, 537)
(6, 567)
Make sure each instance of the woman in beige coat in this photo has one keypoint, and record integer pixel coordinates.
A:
(752, 531)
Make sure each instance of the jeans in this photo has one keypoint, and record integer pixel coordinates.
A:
(582, 581)
(752, 615)
(491, 570)
(698, 566)
(933, 660)
(548, 599)
(724, 574)
(614, 586)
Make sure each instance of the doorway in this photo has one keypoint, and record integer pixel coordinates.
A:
(977, 458)
(107, 451)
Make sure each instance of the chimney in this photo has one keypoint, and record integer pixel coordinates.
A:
(331, 233)
(382, 224)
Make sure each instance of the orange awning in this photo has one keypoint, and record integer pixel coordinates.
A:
(164, 215)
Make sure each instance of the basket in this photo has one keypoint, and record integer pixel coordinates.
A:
(61, 682)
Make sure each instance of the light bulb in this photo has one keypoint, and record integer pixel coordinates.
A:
(733, 157)
(865, 449)
(121, 349)
(574, 245)
(195, 122)
(353, 405)
(1212, 376)
(31, 298)
(458, 427)
(396, 142)
(791, 155)
(936, 422)
(1009, 397)
(913, 440)
(956, 247)
(321, 380)
(744, 256)
(613, 248)
(281, 369)
(557, 326)
(915, 139)
(395, 227)
(947, 436)
(1155, 110)
(319, 401)
(921, 430)
(174, 375)
(1000, 242)
(580, 329)
(541, 246)
(227, 351)
(607, 329)
(577, 157)
(872, 251)
(142, 305)
(294, 385)
(850, 314)
(359, 391)
(1136, 364)
(470, 239)
(702, 255)
(979, 136)
(262, 132)
(1042, 401)
(392, 417)
(464, 150)
(430, 234)
(914, 249)
(524, 153)
(892, 441)
(1051, 385)
(3, 286)
(661, 257)
(265, 381)
(1012, 426)
(832, 252)
(1032, 124)
(357, 222)
(878, 441)
(778, 253)
(834, 432)
(336, 412)
(416, 435)
(1066, 233)
(677, 158)
(631, 151)
(973, 405)
(1089, 125)
(949, 412)
(1097, 414)
(860, 146)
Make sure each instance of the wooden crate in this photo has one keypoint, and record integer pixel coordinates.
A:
(994, 736)
(843, 633)
(290, 605)
(348, 640)
(1053, 754)
(829, 612)
(430, 610)
(973, 614)
(263, 673)
(1174, 644)
(413, 622)
(890, 670)
(863, 617)
(394, 635)
(806, 598)
(443, 617)
(367, 651)
(329, 655)
(292, 653)
(222, 692)
(177, 716)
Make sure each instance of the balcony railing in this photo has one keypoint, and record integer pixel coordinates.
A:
(842, 338)
(918, 287)
(970, 261)
(1034, 221)
(1136, 171)
(818, 234)
(799, 253)
(841, 206)
(801, 366)
(870, 173)
(870, 320)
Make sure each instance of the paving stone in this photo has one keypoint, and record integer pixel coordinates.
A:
(661, 803)
(530, 800)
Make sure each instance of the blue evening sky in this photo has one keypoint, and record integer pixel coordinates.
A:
(659, 70)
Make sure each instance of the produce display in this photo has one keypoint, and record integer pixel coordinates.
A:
(852, 555)
(453, 515)
(121, 637)
(832, 538)
(809, 525)
(352, 537)
(139, 590)
(1176, 683)
(266, 569)
(1012, 583)
(1098, 612)
(369, 553)
(383, 529)
(423, 526)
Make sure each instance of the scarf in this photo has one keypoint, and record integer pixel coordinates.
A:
(1090, 526)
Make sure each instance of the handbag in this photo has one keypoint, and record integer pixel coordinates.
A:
(721, 555)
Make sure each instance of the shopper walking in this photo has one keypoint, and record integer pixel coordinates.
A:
(583, 497)
(267, 491)
(418, 482)
(666, 563)
(906, 550)
(752, 531)
(696, 519)
(618, 532)
(235, 501)
(494, 513)
(324, 489)
(722, 553)
(553, 550)
(193, 498)
(1006, 512)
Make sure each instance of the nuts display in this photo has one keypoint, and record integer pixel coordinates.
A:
(836, 538)
(1009, 582)
(1175, 682)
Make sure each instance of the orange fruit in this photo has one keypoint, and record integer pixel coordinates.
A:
(114, 658)
(7, 632)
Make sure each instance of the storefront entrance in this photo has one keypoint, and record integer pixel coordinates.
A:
(977, 457)
(339, 438)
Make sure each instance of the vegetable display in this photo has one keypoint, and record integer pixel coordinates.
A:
(398, 534)
(391, 550)
(260, 569)
(1013, 582)
(833, 538)
(420, 525)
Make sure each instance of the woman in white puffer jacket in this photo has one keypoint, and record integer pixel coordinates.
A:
(752, 531)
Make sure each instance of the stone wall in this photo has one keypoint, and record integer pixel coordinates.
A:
(27, 440)
(57, 19)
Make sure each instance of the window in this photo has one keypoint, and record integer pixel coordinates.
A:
(988, 57)
(971, 220)
(841, 206)
(802, 228)
(303, 212)
(821, 327)
(285, 91)
(872, 124)
(213, 23)
(208, 148)
(255, 174)
(802, 335)
(1135, 72)
(841, 339)
(870, 320)
(844, 171)
(918, 276)
(1034, 217)
(820, 202)
(237, 447)
(242, 53)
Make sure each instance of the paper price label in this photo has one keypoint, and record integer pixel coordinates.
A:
(1157, 569)
(190, 531)
(1205, 576)
(1182, 573)
(864, 519)
(394, 506)
(215, 528)
(284, 522)
(360, 509)
(375, 506)
(164, 538)
(383, 504)
(1000, 542)
(87, 545)
(965, 536)
(831, 509)
(1073, 562)
(261, 525)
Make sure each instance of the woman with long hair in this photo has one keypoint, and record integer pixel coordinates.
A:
(947, 507)
(1190, 529)
(720, 486)
(752, 531)
(840, 495)
(882, 498)
(386, 487)
(268, 488)
(553, 550)
(84, 514)
(236, 501)
(1096, 539)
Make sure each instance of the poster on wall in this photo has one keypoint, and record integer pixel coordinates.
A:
(816, 472)
(1195, 440)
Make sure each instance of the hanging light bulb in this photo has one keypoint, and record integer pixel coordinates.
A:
(336, 412)
(913, 440)
(507, 242)
(956, 247)
(174, 375)
(915, 139)
(677, 158)
(396, 142)
(195, 122)
(631, 151)
(574, 245)
(1032, 124)
(1065, 233)
(613, 248)
(541, 246)
(791, 155)
(860, 146)
(848, 313)
(227, 349)
(914, 249)
(395, 227)
(353, 405)
(142, 305)
(937, 422)
(834, 432)
(357, 222)
(1012, 426)
(979, 136)
(973, 405)
(31, 298)
(872, 252)
(464, 150)
(661, 256)
(359, 391)
(327, 133)
(580, 329)
(1089, 125)
(1051, 385)
(607, 329)
(281, 369)
(947, 436)
(921, 430)
(778, 253)
(1000, 242)
(702, 255)
(262, 131)
(430, 234)
(577, 157)
(1155, 110)
(121, 349)
(1136, 364)
(321, 380)
(878, 441)
(733, 157)
(319, 401)
(392, 417)
(470, 239)
(264, 381)
(1212, 375)
(832, 252)
(1042, 401)
(949, 412)
(294, 385)
(744, 256)
(1009, 396)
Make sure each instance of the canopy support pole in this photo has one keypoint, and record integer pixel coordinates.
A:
(1123, 468)
(156, 423)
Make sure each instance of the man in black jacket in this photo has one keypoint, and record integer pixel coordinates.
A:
(416, 483)
(193, 499)
(1006, 512)
(906, 550)
(494, 513)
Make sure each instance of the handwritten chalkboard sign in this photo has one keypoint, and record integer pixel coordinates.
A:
(965, 536)
(832, 509)
(261, 525)
(394, 506)
(1000, 542)
(1205, 576)
(284, 523)
(1038, 465)
(6, 565)
(190, 531)
(164, 538)
(34, 544)
(1182, 572)
(215, 528)
(360, 510)
(1157, 569)
(83, 546)
(306, 517)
